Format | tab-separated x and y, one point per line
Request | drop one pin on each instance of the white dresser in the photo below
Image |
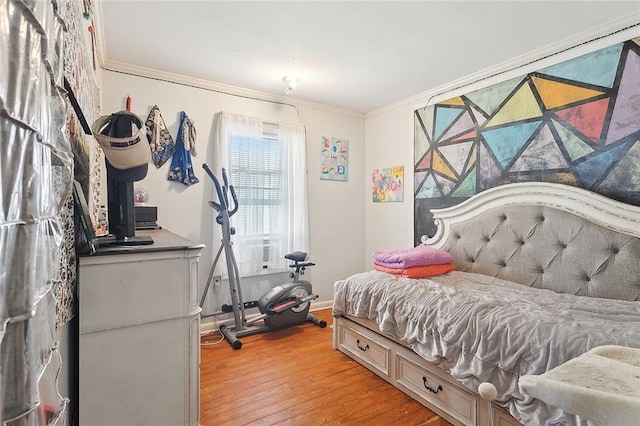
139	334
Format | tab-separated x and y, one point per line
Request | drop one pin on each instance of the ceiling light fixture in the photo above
291	82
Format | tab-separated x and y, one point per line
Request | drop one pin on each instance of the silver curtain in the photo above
36	167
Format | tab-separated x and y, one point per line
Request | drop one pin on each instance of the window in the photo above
256	171
266	164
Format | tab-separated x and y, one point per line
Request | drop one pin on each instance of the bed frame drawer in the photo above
435	390
360	343
500	418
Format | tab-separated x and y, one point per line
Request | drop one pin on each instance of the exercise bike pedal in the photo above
288	303
284	305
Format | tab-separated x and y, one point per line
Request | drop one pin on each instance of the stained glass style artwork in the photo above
576	123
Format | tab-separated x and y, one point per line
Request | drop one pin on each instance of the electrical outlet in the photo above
217	280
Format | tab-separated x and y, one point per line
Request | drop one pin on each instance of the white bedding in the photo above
480	328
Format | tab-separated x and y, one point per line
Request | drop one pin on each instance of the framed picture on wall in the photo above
334	159
387	184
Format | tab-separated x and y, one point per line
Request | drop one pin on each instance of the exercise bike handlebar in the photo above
222	205
222	192
233	196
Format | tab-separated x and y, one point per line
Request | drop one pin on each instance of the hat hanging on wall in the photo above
127	151
133	174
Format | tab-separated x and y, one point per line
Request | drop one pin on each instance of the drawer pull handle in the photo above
362	348
429	388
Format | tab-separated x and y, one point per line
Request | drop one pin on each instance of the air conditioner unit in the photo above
260	250
269	247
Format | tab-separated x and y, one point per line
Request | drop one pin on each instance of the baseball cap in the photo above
123	147
133	174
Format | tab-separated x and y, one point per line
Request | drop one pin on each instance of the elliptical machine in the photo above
283	306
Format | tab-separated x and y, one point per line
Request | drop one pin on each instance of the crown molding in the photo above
617	31
220	88
198	83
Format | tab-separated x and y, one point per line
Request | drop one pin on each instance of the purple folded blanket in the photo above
421	255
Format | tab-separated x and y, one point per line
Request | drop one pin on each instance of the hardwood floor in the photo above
295	377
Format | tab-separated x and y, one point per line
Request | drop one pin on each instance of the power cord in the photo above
214	330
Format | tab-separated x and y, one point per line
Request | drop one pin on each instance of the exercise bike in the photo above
283	306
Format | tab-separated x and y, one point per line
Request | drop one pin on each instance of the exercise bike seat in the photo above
296	256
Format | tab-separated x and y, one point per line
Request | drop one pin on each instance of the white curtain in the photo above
296	223
253	254
227	125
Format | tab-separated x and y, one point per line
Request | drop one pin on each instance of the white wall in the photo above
336	209
389	131
389	137
345	225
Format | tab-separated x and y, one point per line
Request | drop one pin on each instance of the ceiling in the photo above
358	55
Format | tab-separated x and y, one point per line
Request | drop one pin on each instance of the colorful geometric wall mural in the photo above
576	123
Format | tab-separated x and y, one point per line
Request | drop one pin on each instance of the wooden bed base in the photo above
423	381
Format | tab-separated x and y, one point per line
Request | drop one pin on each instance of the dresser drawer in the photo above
361	343
435	390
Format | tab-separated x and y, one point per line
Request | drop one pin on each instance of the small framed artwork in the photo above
388	184
334	158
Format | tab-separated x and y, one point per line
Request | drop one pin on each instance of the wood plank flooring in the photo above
295	377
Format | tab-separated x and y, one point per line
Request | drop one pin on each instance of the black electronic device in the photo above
121	209
120	192
86	240
146	217
122	216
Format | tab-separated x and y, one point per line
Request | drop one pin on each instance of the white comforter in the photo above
480	328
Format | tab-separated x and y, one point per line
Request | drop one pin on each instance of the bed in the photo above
544	273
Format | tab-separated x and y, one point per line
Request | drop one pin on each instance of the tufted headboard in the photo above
546	235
